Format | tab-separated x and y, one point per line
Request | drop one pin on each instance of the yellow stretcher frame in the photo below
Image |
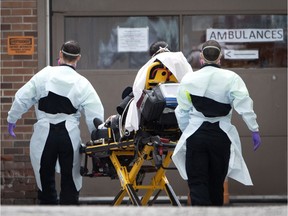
128	175
151	150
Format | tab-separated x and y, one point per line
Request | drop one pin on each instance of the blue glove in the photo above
11	127
256	140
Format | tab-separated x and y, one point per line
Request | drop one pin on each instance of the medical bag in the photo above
153	103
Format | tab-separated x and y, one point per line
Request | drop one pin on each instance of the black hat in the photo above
211	50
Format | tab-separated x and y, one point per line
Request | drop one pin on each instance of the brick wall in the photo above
18	186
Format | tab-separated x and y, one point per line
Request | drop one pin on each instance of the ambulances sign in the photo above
245	35
20	45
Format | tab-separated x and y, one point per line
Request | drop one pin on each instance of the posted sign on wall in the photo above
133	39
20	45
245	35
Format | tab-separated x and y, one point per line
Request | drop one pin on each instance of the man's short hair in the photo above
158	47
71	50
211	50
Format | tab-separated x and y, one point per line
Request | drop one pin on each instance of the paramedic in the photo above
59	94
209	148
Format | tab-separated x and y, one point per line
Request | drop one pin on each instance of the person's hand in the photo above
11	127
256	140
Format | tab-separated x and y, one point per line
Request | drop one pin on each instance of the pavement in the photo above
89	210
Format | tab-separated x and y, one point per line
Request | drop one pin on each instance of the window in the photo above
100	38
248	41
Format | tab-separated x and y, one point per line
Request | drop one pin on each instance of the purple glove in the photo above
256	140
11	127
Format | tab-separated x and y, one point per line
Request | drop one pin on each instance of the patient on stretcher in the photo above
150	104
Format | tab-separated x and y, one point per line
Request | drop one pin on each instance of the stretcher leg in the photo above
119	197
125	182
151	202
131	174
171	194
133	195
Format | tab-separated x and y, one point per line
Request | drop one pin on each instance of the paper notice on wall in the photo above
245	35
133	39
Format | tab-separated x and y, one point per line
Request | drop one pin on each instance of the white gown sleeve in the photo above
25	98
92	107
243	104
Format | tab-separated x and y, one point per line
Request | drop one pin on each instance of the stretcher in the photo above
129	160
129	157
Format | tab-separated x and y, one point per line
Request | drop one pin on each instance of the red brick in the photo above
29	4
34	34
6	158
13	194
5	108
23	57
10	20
31	193
27	150
31	180
9	92
25	201
6	57
34	27
21	143
22	27
6	85
27	136
18	85
18	18
5	12
8	78
30	64
29	121
23	158
6	71
26	78
5	27
9	165
23	128
10	33
11	4
23	71
30	19
30	114
13	151
8	180
6	100
12	64
3	114
22	11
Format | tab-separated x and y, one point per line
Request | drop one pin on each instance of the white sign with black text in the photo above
132	39
245	35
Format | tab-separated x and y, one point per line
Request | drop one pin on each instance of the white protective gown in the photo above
175	62
64	81
223	86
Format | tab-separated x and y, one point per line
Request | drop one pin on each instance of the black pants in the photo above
58	145
207	160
